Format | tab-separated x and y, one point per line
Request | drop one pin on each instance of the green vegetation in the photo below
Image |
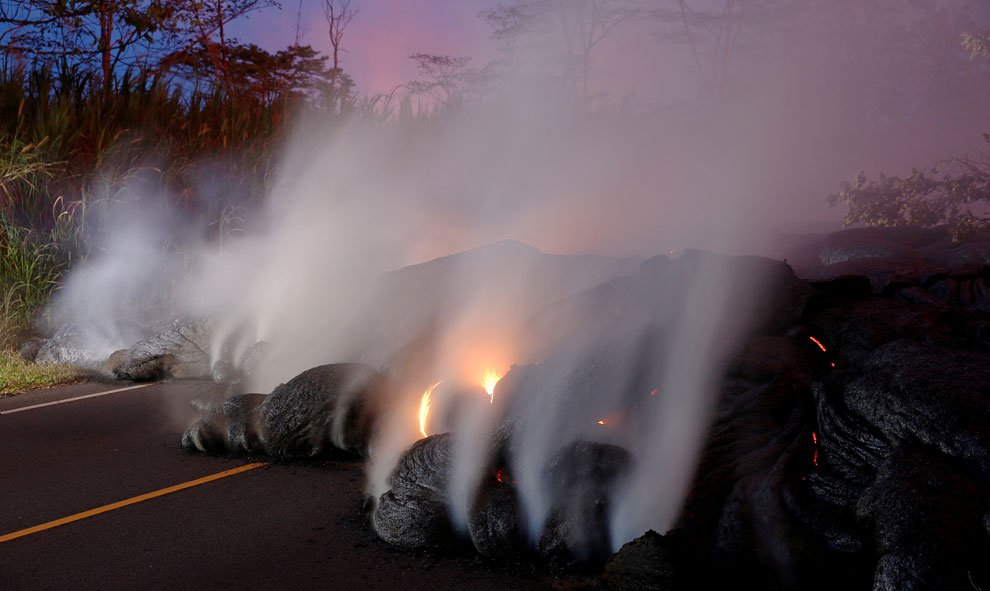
29	271
18	376
99	95
66	149
977	44
954	193
64	153
160	102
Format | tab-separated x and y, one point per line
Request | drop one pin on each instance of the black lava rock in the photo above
179	351
495	523
330	406
414	512
582	477
644	564
243	430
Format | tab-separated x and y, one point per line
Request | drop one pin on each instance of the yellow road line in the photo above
131	501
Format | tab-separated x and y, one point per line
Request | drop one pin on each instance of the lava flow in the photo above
822	347
612	421
424	408
488	383
814	457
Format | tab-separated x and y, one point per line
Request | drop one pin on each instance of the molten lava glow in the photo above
603	421
488	383
498	474
819	343
814	456
424	408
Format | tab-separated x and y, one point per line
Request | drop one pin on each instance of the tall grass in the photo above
30	267
67	149
75	131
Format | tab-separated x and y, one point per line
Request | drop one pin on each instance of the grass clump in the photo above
29	272
72	147
67	149
17	375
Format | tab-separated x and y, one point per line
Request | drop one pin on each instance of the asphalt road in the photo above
275	527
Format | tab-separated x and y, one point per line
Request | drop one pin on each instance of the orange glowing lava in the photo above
819	343
814	455
602	421
488	382
424	408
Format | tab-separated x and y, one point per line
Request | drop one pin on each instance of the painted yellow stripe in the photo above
131	501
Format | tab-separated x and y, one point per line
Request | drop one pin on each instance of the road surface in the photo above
276	526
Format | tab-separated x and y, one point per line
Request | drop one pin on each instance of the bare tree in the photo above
151	35
582	25
573	29
444	77
338	14
298	23
725	27
883	43
203	23
115	32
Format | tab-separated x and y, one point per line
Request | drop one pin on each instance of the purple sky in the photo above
381	37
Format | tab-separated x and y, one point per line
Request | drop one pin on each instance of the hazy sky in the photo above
813	101
381	38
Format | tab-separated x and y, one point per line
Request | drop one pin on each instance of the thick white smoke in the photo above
629	177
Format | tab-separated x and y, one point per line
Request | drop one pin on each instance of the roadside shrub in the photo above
954	193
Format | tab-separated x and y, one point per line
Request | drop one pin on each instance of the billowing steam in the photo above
319	276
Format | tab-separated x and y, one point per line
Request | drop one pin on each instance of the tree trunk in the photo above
105	45
224	56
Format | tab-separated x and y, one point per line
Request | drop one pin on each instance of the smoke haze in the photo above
662	154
